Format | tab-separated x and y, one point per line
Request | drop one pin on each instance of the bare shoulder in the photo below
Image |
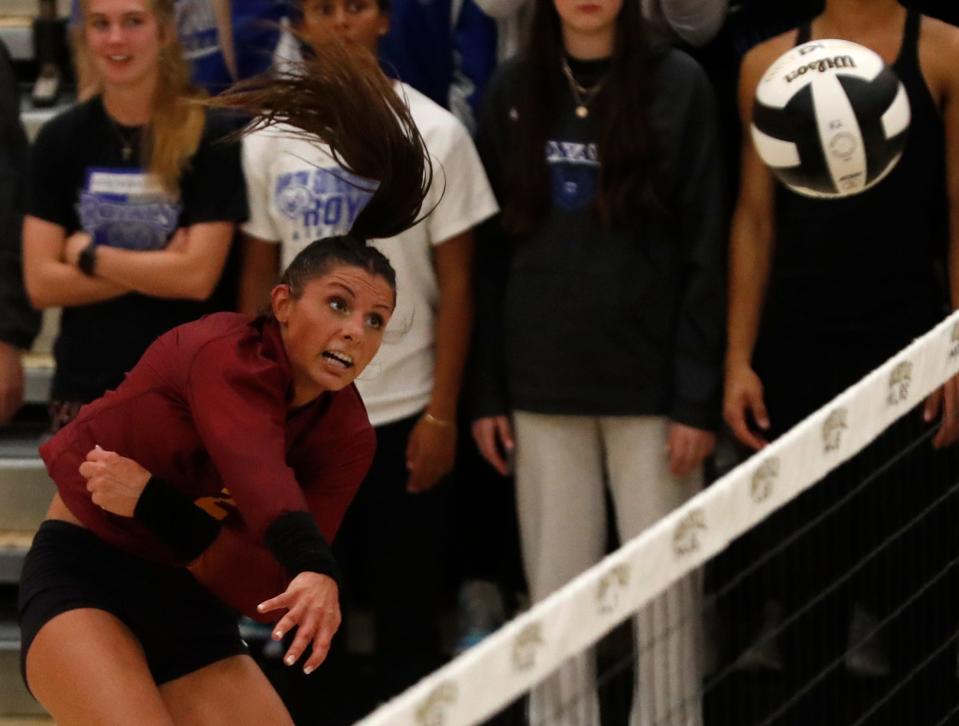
940	35
939	57
760	57
754	65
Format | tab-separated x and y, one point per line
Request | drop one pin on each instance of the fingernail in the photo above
277	635
289	660
259	608
308	670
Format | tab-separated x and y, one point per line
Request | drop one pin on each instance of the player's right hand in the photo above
115	482
313	607
743	398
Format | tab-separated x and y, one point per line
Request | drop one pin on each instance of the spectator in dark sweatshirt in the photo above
601	311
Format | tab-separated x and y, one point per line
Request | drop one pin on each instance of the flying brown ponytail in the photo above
341	96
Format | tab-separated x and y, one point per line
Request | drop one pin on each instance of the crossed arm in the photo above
188	268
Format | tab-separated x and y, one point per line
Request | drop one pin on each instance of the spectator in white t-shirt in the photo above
298	193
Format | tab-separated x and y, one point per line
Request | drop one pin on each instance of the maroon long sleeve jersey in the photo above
207	410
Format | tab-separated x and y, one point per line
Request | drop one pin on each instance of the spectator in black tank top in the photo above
821	292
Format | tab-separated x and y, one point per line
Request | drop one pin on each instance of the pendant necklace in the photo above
581	95
126	139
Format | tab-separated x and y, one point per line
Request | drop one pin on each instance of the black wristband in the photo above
87	261
174	518
296	541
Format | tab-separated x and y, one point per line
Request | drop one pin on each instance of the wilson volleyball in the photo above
830	119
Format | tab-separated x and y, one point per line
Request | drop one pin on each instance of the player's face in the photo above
333	329
588	16
357	21
125	39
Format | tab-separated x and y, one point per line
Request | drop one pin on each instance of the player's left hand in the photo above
430	453
312	606
946	399
115	482
687	447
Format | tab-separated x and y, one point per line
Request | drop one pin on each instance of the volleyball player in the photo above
114	627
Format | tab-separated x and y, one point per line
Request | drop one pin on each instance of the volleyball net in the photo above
815	583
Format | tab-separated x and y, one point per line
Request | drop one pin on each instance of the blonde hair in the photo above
176	120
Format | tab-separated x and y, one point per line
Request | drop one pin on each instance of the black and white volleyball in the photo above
830	119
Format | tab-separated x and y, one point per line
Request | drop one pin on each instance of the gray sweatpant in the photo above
562	465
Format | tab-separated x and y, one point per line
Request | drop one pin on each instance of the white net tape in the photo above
522	653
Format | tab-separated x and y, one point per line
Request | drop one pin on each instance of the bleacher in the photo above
25	492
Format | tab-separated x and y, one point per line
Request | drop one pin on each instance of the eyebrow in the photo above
123	14
349	289
353	295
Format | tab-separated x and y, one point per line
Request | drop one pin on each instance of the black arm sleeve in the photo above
293	538
174	518
699	334
485	384
296	542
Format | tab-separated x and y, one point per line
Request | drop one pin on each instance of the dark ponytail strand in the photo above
341	96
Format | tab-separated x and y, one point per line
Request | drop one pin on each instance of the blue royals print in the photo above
128	209
321	202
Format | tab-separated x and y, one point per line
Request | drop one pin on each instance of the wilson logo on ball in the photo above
830	119
827	64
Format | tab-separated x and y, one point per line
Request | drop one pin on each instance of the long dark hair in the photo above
625	144
340	96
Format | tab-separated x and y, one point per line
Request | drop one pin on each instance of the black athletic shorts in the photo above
180	626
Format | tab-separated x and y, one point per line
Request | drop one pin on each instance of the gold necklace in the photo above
581	95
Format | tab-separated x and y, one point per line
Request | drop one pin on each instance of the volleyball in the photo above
830	119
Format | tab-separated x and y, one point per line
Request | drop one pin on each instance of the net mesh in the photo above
816	583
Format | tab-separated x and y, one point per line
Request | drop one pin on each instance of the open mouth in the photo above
341	359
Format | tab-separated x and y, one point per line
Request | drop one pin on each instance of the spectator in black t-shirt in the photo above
18	323
131	203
